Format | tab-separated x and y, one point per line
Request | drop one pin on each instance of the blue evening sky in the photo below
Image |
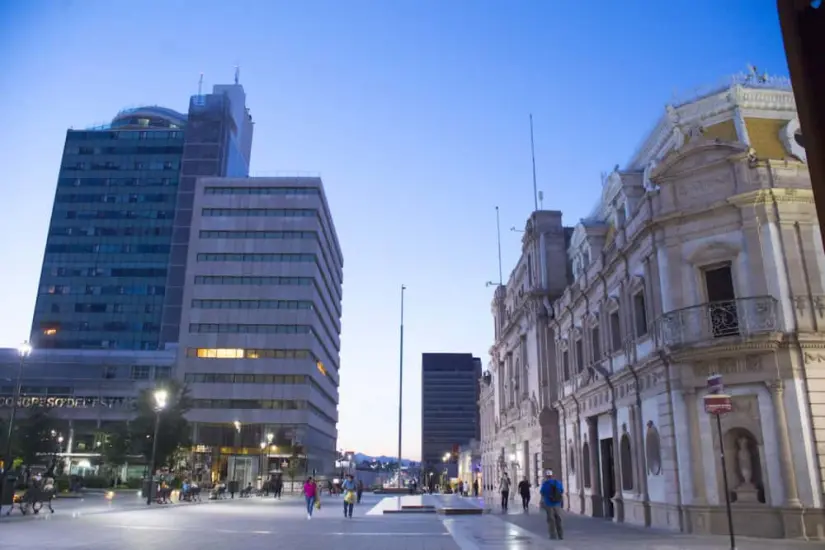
415	112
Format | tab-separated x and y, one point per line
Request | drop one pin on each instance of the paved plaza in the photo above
264	523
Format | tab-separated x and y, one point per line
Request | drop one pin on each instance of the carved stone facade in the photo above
519	428
702	257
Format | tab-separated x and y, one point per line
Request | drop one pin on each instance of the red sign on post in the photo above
718	404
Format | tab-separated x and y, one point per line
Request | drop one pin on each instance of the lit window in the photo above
321	368
50	331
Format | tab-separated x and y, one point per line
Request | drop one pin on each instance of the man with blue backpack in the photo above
552	492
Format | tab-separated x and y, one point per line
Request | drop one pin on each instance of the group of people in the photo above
351	489
551	492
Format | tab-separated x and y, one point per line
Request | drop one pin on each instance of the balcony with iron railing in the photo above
709	322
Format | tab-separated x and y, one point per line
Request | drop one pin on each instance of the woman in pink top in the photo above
311	495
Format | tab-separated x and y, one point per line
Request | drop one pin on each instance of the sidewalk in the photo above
586	532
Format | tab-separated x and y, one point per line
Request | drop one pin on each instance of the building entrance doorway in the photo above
608	479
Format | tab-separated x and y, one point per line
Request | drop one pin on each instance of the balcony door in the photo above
723	315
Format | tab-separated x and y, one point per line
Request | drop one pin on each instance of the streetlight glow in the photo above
237	424
263	445
161	396
269	437
24	349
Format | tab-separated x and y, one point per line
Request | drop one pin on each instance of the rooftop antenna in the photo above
237	74
541	200
200	85
498	231
533	154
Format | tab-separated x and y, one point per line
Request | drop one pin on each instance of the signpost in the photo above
718	403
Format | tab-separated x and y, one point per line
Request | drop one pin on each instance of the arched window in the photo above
653	450
627	463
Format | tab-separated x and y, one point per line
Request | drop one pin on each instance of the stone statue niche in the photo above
744	467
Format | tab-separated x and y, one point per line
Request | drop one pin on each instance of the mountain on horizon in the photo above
360	457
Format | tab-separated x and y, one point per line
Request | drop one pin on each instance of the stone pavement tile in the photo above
586	532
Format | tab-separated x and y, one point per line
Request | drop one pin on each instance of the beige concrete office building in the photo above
259	338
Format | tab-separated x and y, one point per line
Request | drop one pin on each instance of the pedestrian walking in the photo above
348	486
552	493
524	492
311	496
359	490
504	487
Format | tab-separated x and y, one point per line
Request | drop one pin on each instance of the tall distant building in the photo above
115	256
105	266
218	143
449	405
262	308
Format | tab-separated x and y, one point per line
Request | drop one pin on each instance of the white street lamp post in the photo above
160	396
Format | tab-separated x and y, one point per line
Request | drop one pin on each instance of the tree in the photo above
115	447
34	435
293	468
173	431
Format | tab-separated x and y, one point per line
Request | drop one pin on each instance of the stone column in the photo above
618	501
577	439
700	497
777	389
595	474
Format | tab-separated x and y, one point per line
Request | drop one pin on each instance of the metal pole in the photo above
152	461
7	458
401	384
725	482
498	234
533	154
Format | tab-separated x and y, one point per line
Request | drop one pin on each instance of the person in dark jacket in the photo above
524	491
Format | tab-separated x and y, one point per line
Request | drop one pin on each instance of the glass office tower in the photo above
449	406
104	270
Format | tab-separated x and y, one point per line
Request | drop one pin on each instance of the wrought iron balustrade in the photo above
741	317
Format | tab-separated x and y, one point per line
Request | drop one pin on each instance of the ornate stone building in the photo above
703	256
519	425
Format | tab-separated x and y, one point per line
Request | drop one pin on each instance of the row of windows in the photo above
94	307
133	343
229	378
278	404
250	280
107	248
108	198
258	212
234	328
208	234
92	231
108	272
262	191
259	257
240	353
640	329
105	290
252	304
261	280
108	326
119	215
142	372
126	134
125	150
117	182
121	165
